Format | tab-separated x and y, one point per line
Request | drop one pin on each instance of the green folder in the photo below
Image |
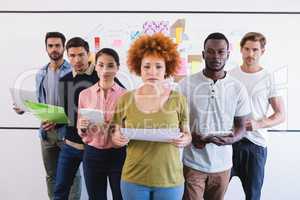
46	112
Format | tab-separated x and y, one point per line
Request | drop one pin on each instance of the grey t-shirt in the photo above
50	84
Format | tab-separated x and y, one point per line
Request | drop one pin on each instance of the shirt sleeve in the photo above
184	114
272	90
119	114
80	105
243	104
180	87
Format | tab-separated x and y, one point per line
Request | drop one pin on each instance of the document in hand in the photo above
19	96
46	112
93	115
221	133
154	135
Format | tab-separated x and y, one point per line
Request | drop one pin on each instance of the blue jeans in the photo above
51	148
249	162
67	169
131	191
100	164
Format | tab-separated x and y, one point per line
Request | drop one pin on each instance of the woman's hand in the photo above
184	140
118	139
83	124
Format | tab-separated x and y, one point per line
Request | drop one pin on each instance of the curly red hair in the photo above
153	45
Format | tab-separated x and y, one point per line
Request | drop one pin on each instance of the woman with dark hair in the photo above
100	160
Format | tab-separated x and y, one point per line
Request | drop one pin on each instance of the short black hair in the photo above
55	35
216	36
110	52
78	42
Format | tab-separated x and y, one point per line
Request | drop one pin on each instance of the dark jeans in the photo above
68	165
249	162
100	164
51	147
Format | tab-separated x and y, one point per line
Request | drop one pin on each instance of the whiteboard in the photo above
23	50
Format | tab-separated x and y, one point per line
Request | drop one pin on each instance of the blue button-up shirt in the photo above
41	92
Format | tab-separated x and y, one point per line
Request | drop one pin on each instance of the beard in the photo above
55	56
208	66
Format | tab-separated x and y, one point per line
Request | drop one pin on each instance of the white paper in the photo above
154	135
19	96
220	133
93	115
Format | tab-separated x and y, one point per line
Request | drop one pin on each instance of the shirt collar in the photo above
210	80
96	87
63	65
88	71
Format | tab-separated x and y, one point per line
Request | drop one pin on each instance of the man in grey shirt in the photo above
47	79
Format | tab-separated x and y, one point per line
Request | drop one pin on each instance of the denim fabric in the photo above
249	162
68	174
131	191
100	164
41	94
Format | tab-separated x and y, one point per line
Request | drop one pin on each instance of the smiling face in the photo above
55	48
215	54
153	69
79	58
251	53
106	67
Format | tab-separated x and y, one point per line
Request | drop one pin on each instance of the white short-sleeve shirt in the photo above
212	106
260	87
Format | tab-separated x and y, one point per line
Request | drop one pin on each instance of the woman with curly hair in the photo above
152	170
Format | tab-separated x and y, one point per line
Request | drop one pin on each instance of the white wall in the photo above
229	5
24	51
21	170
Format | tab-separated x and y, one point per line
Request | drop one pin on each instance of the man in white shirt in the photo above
217	103
250	153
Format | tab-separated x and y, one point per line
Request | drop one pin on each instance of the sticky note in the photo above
178	35
117	43
195	67
195	57
97	43
180	23
182	70
134	35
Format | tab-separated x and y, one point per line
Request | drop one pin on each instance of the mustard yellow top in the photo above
153	164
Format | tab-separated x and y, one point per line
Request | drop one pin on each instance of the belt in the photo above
74	144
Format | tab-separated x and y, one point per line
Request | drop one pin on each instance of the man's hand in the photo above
18	110
223	140
252	125
47	126
200	140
